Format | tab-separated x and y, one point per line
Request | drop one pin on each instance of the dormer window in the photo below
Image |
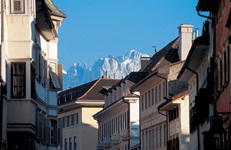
17	6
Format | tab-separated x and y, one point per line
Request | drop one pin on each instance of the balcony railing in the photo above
116	138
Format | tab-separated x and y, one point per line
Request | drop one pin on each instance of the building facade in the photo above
119	120
76	107
32	73
155	88
218	83
176	108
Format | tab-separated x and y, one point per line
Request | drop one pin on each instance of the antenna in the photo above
154	48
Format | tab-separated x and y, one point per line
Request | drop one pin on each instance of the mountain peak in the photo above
114	67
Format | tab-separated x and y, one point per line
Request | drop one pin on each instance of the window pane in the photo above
18	80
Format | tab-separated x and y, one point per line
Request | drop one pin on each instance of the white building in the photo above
176	108
33	75
119	120
154	89
196	72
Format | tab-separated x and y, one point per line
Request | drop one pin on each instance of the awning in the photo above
55	80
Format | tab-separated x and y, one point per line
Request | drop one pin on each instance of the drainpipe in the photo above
166	88
197	89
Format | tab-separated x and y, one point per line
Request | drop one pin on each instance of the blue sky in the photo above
97	28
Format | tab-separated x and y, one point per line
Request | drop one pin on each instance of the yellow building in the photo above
76	108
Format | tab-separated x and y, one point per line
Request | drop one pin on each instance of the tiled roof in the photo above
78	91
53	10
88	91
168	54
94	93
133	77
136	76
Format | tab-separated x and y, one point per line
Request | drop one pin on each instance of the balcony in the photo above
116	138
124	134
100	145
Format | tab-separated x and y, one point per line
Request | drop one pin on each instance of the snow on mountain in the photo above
111	66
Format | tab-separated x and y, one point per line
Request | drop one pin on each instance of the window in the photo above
18	80
146	138
165	135
53	133
72	120
142	143
150	139
164	89
64	123
68	121
160	134
77	118
149	98
70	144
146	101
160	92
75	143
33	83
17	6
59	132
157	141
156	95
173	114
153	134
45	72
65	144
152	94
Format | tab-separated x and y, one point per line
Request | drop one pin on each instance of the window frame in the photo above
22	7
18	75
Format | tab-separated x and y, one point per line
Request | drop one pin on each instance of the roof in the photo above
168	54
170	103
44	21
93	93
53	10
134	77
88	91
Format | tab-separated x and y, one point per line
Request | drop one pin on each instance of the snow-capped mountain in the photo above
111	66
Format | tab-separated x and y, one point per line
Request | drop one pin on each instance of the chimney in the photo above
185	37
144	62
